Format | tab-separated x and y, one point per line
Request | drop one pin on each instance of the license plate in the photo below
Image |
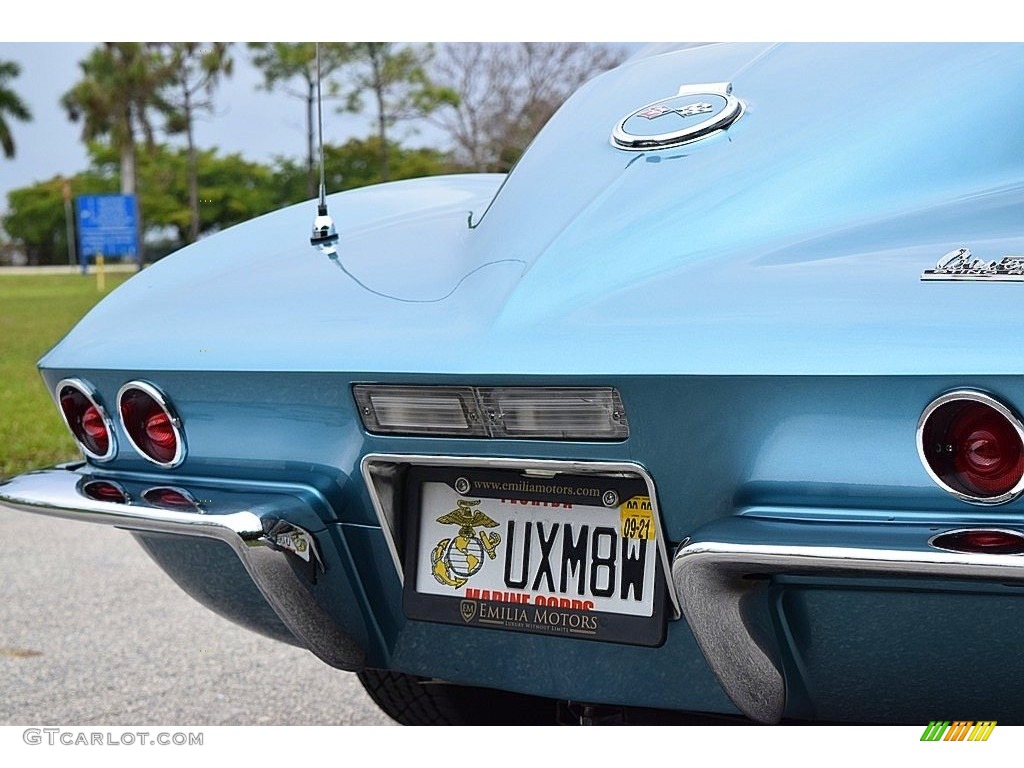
575	556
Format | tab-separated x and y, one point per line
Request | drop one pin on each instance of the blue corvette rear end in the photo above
752	297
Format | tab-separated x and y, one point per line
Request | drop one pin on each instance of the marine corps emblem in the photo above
456	559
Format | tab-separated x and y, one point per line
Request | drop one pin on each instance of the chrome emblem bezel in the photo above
720	120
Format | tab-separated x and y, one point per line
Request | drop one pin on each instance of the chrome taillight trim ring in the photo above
976	396
165	404
88	391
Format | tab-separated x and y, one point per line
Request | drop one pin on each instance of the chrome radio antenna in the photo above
323	225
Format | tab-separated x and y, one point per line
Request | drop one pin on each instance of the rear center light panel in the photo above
510	413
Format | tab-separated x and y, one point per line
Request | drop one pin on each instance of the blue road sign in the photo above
107	226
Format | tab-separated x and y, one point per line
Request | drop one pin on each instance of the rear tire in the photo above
413	700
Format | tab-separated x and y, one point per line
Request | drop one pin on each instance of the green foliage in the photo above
36	214
196	70
231	189
291	68
10	105
395	78
357	163
121	85
283	64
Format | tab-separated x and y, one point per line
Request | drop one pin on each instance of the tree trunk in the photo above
128	186
128	168
385	170
193	170
310	168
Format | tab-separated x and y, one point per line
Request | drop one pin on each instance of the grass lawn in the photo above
35	312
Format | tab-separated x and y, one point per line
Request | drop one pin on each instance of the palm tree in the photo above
291	67
121	85
197	68
11	105
396	77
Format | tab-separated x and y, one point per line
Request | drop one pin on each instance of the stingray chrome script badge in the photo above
961	265
694	112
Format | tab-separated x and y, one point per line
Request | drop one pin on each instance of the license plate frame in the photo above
464	608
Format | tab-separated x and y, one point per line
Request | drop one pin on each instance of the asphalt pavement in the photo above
93	633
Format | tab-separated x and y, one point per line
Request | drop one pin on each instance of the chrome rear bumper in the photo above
718	577
274	534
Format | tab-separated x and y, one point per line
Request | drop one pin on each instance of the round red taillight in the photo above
973	446
151	424
86	419
160	432
981	540
170	498
105	490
